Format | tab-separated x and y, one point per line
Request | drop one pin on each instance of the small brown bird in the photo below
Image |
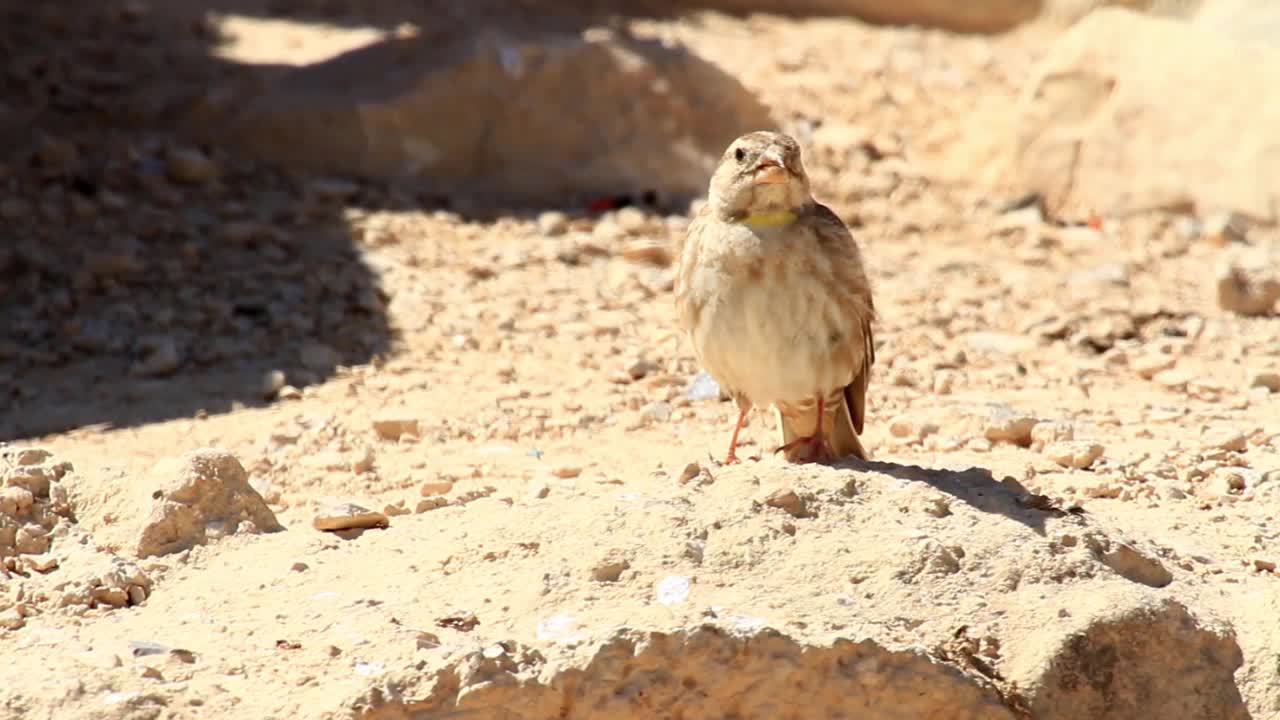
772	292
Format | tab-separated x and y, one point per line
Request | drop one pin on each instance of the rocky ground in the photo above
282	444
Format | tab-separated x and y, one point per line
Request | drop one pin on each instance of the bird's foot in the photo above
816	446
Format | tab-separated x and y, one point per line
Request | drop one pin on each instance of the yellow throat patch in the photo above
769	219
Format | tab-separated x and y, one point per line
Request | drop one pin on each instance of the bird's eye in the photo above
740	154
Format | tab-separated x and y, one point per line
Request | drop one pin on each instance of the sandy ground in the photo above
514	395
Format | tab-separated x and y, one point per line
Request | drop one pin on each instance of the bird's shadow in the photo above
975	486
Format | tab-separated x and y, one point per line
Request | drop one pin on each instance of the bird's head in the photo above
760	177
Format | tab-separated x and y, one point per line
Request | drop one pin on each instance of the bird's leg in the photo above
732	457
818	449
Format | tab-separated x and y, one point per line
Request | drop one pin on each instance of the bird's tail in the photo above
800	421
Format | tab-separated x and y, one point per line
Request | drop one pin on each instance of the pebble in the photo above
1004	424
390	426
160	357
639	368
610	569
428	504
787	500
1172	379
998	343
273	381
190	166
673	589
565	472
364	460
1269	379
703	387
438	486
348	516
691	472
553	223
318	357
332	189
1247	287
1078	454
1223	438
559	629
1148	366
1046	433
656	412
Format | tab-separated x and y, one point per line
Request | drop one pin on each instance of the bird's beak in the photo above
772	169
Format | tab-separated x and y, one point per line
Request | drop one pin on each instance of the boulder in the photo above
537	116
1131	112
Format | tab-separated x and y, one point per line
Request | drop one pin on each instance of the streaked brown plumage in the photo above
772	292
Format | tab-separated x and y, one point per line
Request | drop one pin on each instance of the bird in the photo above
772	292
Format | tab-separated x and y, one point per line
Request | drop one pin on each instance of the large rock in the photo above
1123	653
182	502
1130	112
537	116
989	603
972	16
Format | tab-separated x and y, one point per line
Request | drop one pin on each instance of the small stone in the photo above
438	486
430	503
144	648
1172	379
159	356
273	381
1004	424
137	595
647	250
553	223
944	382
656	412
1048	432
637	369
673	589
1269	379
363	461
396	509
1247	286
1222	228
1076	454
566	471
610	569
390	426
1262	565
289	392
704	387
1227	439
41	563
348	516
332	189
902	427
16	501
31	540
1148	366
787	500
300	567
318	357
190	166
1227	481
691	471
998	343
11	620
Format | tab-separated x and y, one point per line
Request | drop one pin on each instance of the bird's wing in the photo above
688	253
850	280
